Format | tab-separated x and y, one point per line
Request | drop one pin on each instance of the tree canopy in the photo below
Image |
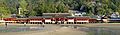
37	7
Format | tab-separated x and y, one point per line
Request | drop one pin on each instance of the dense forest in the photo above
37	7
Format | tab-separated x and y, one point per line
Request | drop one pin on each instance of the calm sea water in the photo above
20	28
101	30
89	30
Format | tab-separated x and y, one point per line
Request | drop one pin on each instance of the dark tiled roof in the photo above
56	14
40	17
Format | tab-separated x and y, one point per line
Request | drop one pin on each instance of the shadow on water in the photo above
100	30
20	28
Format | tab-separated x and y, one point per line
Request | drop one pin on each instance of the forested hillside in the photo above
37	7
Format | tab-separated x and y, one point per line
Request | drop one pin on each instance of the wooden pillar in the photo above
73	23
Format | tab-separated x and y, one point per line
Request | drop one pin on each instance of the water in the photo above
98	30
89	30
20	28
101	30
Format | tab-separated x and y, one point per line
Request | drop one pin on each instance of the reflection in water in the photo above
99	31
90	30
110	30
20	28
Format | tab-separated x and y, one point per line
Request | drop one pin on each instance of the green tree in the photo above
4	9
23	5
